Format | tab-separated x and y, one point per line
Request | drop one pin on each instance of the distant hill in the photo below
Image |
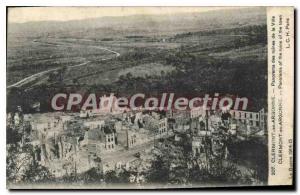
141	24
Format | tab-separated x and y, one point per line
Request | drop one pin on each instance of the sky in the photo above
30	14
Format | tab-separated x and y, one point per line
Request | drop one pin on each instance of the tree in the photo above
75	81
12	168
36	173
124	176
159	171
111	177
93	175
22	167
12	136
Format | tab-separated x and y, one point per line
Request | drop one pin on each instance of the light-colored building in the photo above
17	119
65	118
45	125
163	126
99	140
198	145
93	124
232	129
131	139
255	119
110	140
197	112
85	113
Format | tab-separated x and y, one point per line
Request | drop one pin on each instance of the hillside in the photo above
217	51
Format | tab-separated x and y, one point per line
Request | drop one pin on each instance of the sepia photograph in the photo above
149	97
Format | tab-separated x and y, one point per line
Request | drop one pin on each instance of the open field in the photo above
136	56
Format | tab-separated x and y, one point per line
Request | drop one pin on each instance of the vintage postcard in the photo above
149	97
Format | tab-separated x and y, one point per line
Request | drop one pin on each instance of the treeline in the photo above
196	72
251	30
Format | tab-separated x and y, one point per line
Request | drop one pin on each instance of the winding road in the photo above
40	74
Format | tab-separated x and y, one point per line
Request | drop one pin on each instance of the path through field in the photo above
40	74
